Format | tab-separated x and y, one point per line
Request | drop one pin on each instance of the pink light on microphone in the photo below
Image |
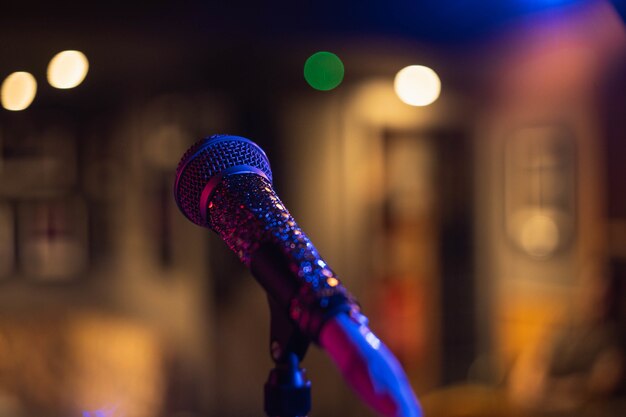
369	367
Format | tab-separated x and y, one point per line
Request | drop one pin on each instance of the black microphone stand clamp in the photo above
287	390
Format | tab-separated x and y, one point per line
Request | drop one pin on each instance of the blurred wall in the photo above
541	219
468	229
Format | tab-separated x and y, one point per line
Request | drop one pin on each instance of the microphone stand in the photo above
287	390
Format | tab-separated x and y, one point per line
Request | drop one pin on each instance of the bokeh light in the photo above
67	69
323	71
540	236
417	85
18	91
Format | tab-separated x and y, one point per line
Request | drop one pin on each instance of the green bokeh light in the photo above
323	71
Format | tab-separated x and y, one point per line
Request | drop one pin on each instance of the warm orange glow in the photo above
333	282
18	91
539	235
67	69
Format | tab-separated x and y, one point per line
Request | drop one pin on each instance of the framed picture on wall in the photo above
53	238
540	189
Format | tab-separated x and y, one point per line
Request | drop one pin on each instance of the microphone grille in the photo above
209	158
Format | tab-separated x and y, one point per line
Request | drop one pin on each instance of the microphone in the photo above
224	183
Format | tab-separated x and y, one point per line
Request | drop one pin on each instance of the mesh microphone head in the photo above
206	162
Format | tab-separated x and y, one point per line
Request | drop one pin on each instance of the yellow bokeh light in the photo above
417	85
18	91
67	69
540	235
332	282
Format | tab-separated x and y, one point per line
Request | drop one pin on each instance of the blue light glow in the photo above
544	4
552	2
103	412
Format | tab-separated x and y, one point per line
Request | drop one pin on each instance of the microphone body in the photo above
248	215
224	183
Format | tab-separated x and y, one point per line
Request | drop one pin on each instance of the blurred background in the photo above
473	202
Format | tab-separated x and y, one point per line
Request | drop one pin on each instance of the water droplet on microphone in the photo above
372	340
276	350
295	312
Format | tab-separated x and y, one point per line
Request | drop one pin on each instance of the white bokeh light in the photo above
417	85
18	91
67	69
